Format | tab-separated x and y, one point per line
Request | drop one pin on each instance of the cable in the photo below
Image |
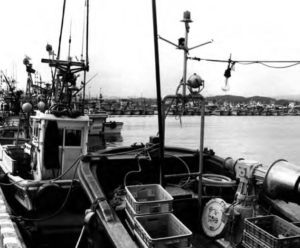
279	67
132	172
44	181
250	62
245	61
10	184
66	171
60	208
187	168
145	150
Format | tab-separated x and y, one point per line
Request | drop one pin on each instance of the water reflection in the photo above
103	141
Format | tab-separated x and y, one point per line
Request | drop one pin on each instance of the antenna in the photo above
183	45
70	41
83	32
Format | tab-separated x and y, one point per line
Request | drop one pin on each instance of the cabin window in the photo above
72	137
8	134
35	130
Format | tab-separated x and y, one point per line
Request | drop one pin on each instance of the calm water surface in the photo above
261	138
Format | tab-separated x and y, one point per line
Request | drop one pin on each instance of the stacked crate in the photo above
270	231
149	211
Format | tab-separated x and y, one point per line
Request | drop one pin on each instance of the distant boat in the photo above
136	112
149	112
117	112
99	125
127	112
216	112
112	127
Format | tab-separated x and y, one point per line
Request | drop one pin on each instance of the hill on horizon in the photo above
223	98
241	99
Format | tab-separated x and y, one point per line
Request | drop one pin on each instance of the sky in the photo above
121	47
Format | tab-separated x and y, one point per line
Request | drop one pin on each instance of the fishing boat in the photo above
12	120
42	201
99	124
11	133
38	176
160	196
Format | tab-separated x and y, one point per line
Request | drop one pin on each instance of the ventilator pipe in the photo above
282	181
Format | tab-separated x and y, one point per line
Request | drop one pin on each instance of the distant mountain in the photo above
241	99
220	99
227	98
289	97
262	99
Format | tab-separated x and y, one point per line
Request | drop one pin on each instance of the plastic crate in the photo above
273	231
130	215
130	210
149	199
250	241
162	230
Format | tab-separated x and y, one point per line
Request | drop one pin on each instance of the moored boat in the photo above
99	124
212	199
38	179
96	122
112	127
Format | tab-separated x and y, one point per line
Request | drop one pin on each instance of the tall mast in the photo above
86	53
158	93
54	81
87	34
61	29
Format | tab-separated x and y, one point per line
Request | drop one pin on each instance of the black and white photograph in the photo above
149	124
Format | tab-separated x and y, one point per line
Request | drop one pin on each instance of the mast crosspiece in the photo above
183	45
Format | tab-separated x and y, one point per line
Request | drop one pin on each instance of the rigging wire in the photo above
279	67
251	62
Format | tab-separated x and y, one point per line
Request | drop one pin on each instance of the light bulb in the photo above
226	87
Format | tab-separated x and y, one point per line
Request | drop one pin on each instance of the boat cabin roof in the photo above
51	117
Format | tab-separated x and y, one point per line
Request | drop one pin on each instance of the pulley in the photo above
214	218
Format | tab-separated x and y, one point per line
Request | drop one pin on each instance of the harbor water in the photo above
261	138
